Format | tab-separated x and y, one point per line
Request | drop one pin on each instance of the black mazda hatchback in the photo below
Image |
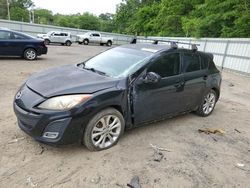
95	101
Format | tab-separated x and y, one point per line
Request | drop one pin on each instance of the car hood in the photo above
69	80
42	35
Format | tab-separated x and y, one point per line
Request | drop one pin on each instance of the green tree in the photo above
107	22
89	21
3	9
43	16
19	9
19	14
126	15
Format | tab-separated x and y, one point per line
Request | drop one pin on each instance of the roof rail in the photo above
173	44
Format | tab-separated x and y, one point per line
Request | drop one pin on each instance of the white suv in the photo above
63	38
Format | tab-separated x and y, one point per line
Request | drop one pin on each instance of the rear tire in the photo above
30	54
79	42
208	103
104	130
68	43
109	43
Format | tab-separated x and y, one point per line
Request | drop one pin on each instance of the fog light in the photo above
51	135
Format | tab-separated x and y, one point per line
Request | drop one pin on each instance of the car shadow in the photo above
142	130
20	58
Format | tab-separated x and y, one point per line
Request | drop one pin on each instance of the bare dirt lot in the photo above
196	159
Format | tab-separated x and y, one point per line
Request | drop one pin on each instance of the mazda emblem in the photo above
19	95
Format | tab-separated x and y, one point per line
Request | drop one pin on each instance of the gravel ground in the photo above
196	159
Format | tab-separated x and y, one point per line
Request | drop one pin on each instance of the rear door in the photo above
195	79
20	42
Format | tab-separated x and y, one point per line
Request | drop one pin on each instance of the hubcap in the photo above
30	54
209	103
106	131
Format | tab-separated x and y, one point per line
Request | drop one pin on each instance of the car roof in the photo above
4	28
153	48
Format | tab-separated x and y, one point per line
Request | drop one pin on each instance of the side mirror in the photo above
151	77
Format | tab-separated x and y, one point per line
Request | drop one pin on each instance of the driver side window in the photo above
166	65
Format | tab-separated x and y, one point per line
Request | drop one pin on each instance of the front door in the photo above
152	101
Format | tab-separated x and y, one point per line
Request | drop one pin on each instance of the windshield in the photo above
118	62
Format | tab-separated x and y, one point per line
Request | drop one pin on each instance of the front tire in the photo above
86	42
104	130
30	54
208	104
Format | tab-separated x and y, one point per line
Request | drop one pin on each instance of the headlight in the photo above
63	102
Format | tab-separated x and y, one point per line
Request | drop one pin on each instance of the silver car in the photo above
63	38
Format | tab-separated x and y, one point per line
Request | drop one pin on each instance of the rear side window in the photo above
5	35
211	65
64	34
19	37
191	62
166	65
204	62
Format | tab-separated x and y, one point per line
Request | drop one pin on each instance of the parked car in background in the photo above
118	89
14	43
63	38
94	37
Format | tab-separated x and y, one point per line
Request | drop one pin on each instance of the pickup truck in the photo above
93	37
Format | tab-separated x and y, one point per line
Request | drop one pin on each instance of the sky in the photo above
78	6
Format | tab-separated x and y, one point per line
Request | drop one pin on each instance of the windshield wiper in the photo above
93	70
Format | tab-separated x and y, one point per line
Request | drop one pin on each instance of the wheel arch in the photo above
217	91
27	47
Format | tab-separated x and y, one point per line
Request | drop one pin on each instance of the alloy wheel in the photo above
209	103
30	54
106	131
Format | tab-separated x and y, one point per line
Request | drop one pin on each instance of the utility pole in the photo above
8	8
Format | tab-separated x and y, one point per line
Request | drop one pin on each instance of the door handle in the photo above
180	84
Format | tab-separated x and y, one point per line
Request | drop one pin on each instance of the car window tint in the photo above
5	35
166	65
191	62
19	37
204	62
64	34
96	35
211	64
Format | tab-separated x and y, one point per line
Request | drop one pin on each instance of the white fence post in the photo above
225	55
